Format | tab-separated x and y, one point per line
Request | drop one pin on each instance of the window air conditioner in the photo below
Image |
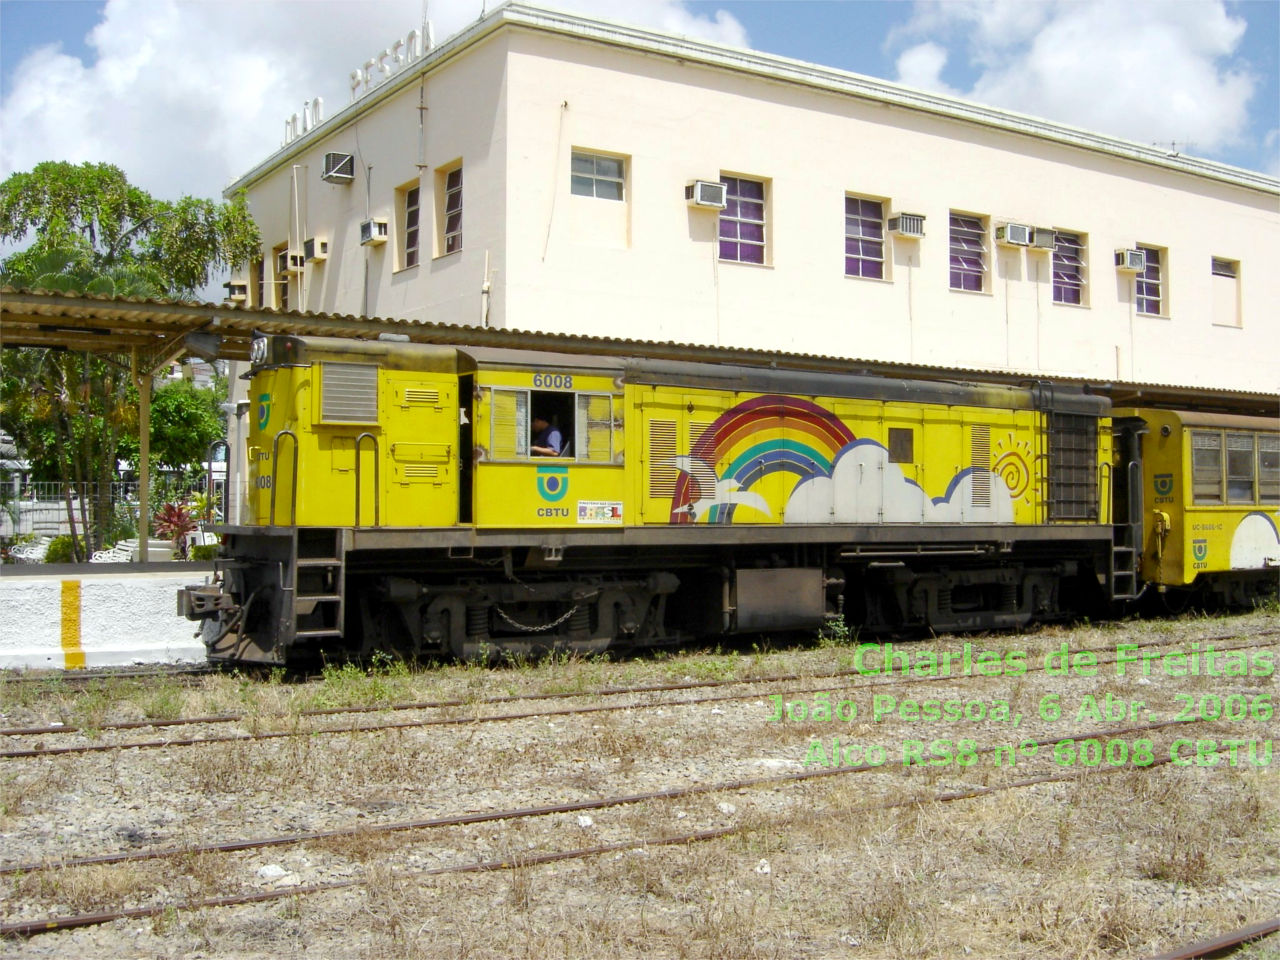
373	232
289	261
1043	238
339	168
1131	261
907	224
315	249
1014	234
237	292
706	193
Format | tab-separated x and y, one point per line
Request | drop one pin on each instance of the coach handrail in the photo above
275	469
377	476
208	480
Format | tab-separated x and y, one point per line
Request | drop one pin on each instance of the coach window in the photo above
901	445
1240	463
1268	469
1206	467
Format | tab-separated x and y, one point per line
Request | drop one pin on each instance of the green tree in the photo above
90	231
92	213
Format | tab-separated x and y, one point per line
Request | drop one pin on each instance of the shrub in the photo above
61	550
204	551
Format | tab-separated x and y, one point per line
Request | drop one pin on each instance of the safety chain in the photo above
546	626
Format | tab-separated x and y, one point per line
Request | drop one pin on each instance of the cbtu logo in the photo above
1199	554
1163	484
264	410
553	483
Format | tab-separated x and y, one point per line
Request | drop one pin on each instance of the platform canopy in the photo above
157	332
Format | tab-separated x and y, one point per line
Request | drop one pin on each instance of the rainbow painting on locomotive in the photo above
721	458
1212	483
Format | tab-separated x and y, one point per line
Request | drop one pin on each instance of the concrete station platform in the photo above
76	615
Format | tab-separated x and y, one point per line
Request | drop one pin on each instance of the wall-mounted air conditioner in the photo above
314	249
339	168
1014	234
1043	238
289	261
373	232
907	224
237	292
707	193
1131	261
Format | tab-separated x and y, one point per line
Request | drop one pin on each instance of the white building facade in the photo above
534	172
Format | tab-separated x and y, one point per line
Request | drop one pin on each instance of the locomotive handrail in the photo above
377	486
275	467
208	481
1105	493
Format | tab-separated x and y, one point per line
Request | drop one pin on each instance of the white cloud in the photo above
921	67
184	97
1151	71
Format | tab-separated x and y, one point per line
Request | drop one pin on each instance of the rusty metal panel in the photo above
782	598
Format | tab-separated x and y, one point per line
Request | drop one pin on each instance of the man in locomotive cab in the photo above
547	440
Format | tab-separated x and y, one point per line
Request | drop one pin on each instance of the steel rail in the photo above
527	715
48	925
1224	941
671	793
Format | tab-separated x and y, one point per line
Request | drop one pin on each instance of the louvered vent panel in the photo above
510	425
980	457
662	453
349	392
420	471
421	395
594	428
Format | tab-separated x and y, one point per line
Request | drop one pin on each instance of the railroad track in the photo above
44	751
49	924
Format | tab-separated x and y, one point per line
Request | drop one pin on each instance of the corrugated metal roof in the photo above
157	329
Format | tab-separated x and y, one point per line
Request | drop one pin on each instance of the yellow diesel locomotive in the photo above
398	502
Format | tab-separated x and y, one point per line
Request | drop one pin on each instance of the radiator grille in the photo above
349	393
1073	454
662	453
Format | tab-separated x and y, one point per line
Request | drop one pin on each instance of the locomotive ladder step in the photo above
320	597
321	632
319	562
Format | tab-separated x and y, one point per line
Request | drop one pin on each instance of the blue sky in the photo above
187	95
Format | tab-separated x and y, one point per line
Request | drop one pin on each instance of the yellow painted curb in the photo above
72	652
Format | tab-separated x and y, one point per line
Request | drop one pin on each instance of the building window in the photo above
1149	286
449	209
260	274
1068	268
742	224
968	252
596	176
863	238
281	277
1225	280
412	210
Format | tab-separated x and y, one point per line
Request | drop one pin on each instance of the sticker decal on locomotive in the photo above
1200	554
553	483
1163	484
264	410
838	478
600	511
